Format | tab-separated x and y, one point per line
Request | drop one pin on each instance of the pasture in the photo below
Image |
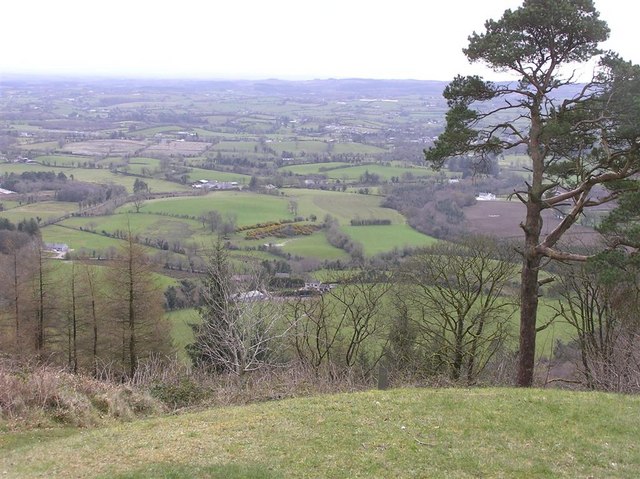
350	173
248	208
98	175
143	225
45	210
78	240
384	238
315	246
196	174
342	206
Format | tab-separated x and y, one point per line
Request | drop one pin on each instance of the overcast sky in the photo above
289	39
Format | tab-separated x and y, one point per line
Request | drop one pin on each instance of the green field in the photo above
461	433
181	332
77	240
155	226
248	208
380	239
64	160
141	165
342	206
45	210
98	175
314	246
314	168
344	172
213	175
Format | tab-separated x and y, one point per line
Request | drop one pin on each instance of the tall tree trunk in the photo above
528	313
40	326
529	285
74	324
133	356
16	297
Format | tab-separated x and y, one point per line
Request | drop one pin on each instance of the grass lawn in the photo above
461	433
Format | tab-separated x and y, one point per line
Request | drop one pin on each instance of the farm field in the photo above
314	246
489	217
45	210
383	238
342	206
97	175
248	208
78	240
346	172
196	174
156	226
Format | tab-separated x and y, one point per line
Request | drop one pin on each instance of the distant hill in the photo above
329	88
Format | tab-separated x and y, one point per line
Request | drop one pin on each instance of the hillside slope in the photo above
399	433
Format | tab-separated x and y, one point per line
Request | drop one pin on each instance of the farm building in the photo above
248	296
216	185
58	247
486	197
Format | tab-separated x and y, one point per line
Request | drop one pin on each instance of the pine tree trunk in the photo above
532	226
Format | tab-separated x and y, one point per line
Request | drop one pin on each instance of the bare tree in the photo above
314	333
343	326
601	301
454	296
16	270
239	326
136	305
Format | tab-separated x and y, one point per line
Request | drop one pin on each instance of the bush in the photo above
178	395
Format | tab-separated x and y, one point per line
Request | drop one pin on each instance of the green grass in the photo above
315	168
213	175
98	175
380	239
313	246
144	225
44	209
342	206
459	433
138	164
181	332
249	208
64	160
77	239
342	171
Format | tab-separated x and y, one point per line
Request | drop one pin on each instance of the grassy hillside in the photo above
401	433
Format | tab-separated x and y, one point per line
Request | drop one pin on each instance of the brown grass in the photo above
41	395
